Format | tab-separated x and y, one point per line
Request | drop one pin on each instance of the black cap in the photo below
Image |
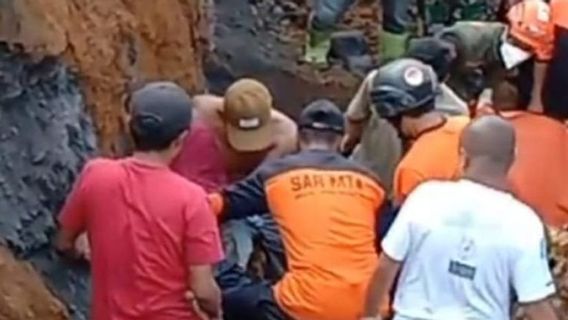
161	110
322	115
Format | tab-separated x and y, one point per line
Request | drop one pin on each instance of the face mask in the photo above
512	55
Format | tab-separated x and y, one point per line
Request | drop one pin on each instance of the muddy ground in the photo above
264	39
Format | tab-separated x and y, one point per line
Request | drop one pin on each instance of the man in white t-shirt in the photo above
467	249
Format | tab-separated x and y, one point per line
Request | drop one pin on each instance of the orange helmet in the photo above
530	23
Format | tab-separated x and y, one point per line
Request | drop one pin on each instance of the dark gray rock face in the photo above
45	138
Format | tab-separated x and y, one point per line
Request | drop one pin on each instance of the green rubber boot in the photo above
437	12
392	45
475	11
317	48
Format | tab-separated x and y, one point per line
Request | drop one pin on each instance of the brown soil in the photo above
23	295
112	44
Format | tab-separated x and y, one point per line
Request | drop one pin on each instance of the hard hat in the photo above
401	86
530	23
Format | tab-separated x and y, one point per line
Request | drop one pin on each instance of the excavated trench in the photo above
65	67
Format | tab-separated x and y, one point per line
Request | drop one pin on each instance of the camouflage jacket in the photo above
433	15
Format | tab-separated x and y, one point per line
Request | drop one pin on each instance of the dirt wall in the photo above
65	66
111	44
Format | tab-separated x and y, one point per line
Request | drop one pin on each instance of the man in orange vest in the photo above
326	208
538	176
555	95
404	92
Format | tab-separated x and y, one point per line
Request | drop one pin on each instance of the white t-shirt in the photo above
468	251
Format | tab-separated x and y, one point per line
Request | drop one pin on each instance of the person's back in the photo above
140	217
330	246
434	155
555	94
201	160
152	234
539	175
465	273
467	249
477	42
326	208
405	92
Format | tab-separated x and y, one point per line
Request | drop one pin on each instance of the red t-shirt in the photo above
146	226
201	158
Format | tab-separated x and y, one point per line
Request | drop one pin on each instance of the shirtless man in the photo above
230	137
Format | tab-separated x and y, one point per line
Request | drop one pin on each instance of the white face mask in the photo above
512	55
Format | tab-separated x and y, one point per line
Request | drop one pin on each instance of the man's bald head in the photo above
489	144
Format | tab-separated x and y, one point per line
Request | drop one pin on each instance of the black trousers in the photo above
245	298
240	237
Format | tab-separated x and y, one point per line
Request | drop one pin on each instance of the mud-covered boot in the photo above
392	45
317	48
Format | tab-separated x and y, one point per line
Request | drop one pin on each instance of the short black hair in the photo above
322	115
322	136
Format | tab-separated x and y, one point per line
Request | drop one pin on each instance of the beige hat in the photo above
247	113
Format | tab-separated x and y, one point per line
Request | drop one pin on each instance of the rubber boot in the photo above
437	12
392	45
438	15
475	11
317	48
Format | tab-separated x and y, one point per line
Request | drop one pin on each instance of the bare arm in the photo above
65	244
285	135
357	114
203	249
541	310
380	285
205	290
73	219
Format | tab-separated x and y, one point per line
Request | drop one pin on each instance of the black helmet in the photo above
401	86
436	52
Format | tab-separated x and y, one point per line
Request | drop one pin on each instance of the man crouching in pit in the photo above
231	135
326	209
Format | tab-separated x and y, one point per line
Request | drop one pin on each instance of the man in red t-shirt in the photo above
152	233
